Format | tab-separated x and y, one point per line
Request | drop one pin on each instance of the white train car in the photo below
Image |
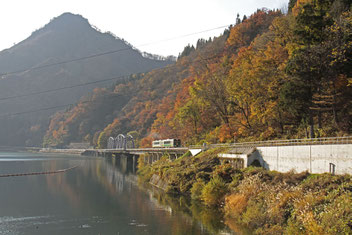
167	143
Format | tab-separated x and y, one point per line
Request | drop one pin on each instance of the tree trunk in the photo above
311	124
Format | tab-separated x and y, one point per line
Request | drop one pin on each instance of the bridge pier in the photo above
152	157
173	156
107	154
127	162
156	157
135	162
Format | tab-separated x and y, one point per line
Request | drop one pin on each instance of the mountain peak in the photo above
67	20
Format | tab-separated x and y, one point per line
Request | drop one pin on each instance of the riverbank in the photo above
266	202
41	150
62	151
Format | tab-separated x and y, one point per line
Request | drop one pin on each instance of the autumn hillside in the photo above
270	76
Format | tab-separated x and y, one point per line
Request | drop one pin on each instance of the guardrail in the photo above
314	141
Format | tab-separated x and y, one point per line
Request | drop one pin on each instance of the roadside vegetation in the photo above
266	202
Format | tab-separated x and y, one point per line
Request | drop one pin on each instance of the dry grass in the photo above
235	204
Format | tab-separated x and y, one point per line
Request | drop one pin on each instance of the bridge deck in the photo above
138	151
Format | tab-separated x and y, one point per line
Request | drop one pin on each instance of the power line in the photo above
185	35
66	61
106	53
89	83
35	110
55	107
82	102
61	88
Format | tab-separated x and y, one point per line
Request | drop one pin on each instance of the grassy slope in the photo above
267	202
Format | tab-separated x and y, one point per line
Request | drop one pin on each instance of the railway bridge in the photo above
150	154
156	152
123	145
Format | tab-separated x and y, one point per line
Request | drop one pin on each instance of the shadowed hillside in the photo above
66	37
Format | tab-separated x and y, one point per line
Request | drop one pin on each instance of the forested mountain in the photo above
270	76
66	38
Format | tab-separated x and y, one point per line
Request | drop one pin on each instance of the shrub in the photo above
266	230
294	227
255	215
236	180
235	204
144	170
225	172
214	191
337	216
196	190
290	177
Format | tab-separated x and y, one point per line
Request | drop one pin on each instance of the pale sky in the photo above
137	21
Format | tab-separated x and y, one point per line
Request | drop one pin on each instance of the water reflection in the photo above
101	196
209	219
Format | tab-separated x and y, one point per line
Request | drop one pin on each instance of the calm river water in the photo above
99	196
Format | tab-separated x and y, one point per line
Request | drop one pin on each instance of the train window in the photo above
177	142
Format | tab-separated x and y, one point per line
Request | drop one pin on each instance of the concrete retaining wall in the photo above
312	158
